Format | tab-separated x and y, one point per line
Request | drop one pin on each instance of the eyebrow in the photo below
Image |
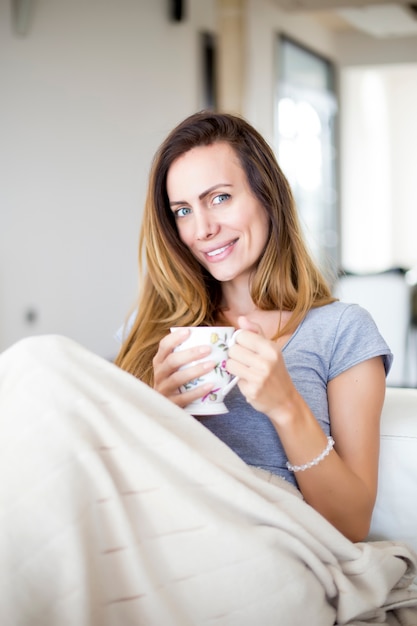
202	195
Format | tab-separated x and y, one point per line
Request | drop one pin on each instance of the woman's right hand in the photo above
168	377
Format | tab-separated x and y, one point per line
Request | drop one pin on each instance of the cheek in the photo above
259	226
184	234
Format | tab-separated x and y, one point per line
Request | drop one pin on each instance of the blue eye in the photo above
182	212
221	198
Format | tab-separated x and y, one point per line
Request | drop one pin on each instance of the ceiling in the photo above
377	18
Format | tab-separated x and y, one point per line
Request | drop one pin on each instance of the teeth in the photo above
219	250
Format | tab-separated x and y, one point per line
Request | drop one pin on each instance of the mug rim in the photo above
201	327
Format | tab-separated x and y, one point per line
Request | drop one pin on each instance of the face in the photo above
217	215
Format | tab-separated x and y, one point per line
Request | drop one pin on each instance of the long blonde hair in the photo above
177	290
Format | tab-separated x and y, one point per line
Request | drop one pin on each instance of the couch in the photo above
395	513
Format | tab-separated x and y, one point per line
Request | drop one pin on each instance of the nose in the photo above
205	226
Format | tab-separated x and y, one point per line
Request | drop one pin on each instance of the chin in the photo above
225	277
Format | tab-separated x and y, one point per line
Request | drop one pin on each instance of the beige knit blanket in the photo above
117	509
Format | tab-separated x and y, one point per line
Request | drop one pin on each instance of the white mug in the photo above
220	339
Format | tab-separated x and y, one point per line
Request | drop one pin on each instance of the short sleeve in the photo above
123	331
357	339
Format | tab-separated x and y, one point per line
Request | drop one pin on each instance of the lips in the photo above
220	250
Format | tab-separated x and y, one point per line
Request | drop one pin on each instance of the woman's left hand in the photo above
343	488
263	376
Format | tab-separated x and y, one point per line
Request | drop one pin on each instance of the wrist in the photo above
290	413
318	459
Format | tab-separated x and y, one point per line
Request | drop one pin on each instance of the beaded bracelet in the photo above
316	461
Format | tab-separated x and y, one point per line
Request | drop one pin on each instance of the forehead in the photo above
204	166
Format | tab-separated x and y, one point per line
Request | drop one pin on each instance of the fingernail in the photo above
204	350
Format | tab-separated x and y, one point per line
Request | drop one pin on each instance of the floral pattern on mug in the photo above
219	375
192	383
220	368
219	342
211	396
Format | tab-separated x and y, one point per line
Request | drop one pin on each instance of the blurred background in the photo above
89	89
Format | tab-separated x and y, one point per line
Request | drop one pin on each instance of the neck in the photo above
237	300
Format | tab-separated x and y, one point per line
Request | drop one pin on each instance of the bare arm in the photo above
342	487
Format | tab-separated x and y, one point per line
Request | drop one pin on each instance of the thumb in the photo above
246	324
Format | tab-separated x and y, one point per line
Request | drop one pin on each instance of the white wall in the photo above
264	23
402	85
356	49
86	97
378	161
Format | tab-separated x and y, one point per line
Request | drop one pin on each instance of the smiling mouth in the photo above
220	250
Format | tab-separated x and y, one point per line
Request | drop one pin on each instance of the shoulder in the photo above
350	333
339	313
337	317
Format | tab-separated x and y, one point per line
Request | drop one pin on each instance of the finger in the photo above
258	360
190	376
247	324
254	344
186	397
245	371
169	343
167	359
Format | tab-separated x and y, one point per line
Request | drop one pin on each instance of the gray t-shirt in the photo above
329	340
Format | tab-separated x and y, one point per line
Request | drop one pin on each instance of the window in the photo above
305	113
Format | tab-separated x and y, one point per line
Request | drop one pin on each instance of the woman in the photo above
158	521
223	245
